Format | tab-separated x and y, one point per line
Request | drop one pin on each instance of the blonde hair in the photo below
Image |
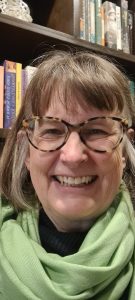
62	74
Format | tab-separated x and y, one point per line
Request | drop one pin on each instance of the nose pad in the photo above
74	151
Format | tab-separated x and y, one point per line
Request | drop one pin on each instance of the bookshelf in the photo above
52	26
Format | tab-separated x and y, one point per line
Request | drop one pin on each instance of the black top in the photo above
54	241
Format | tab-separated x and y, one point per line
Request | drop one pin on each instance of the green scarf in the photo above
101	269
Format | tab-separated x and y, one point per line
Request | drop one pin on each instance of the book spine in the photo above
76	18
29	73
132	89
110	24
9	92
82	20
98	21
118	25
124	26
13	97
92	22
133	33
1	95
103	25
23	84
86	21
130	30
18	87
89	21
7	100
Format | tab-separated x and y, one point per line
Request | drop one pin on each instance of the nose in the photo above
74	152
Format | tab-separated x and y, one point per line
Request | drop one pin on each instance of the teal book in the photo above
98	21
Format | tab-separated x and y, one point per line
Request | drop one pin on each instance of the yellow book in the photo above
18	87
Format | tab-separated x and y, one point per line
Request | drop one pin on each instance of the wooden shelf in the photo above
35	39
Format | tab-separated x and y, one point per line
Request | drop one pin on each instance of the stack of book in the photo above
107	24
13	83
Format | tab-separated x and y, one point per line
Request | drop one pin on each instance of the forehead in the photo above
76	112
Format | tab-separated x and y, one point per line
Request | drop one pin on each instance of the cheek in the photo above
112	173
40	165
111	162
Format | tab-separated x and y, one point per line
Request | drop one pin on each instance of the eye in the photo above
51	133
94	133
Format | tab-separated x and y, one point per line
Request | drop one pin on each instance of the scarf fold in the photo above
102	269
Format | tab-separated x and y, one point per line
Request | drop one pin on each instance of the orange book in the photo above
1	95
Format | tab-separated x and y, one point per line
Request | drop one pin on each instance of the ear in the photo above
124	160
131	134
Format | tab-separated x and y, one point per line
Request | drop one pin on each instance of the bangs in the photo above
92	82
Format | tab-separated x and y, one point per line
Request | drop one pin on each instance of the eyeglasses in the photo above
100	134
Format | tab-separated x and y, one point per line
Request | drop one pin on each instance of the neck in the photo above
69	225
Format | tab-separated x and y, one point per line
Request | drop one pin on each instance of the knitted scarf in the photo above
102	269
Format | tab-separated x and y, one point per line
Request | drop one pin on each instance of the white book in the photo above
118	22
29	72
110	26
92	22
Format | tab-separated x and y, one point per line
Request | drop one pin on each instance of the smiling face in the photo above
75	184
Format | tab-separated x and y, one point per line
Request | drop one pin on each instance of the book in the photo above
1	95
110	28
98	21
133	52
130	30
29	73
86	24
103	26
18	86
23	84
9	92
132	89
118	27
89	20
82	20
92	32
124	25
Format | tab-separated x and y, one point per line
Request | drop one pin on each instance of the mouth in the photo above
75	181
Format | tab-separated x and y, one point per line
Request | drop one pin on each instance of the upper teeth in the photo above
75	180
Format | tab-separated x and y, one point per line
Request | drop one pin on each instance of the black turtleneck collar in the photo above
54	241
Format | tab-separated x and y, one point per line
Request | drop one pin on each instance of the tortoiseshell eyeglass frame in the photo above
73	127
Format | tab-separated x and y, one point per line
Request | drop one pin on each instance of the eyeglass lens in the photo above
99	134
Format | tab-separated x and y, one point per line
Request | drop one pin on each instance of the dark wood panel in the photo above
24	41
40	10
61	16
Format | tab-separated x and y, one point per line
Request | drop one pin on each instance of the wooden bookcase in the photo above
53	26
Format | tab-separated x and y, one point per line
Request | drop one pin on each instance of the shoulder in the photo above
6	210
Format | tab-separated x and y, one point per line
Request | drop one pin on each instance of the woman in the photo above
67	221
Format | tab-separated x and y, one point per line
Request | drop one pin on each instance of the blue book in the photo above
9	93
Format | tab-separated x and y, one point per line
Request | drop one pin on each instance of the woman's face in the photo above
75	205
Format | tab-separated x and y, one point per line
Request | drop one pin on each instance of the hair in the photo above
60	75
